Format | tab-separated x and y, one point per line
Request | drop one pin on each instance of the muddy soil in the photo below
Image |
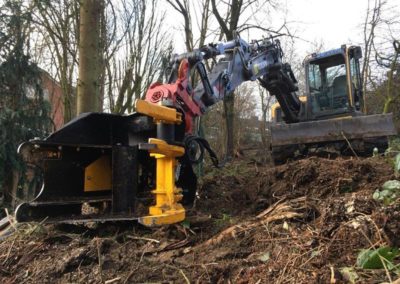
301	222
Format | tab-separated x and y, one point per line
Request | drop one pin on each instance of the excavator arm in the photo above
238	62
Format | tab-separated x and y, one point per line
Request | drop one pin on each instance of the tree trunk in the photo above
265	139
89	99
229	109
388	103
229	101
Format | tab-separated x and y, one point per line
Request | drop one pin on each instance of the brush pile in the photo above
302	222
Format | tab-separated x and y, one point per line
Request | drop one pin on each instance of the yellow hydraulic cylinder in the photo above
167	209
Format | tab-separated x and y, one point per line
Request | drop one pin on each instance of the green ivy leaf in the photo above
186	224
397	164
372	258
391	185
389	193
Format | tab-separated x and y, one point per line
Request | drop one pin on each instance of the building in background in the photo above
53	94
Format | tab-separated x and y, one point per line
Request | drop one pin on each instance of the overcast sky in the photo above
333	22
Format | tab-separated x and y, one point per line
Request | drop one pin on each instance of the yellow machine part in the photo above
167	209
275	107
159	113
98	175
348	78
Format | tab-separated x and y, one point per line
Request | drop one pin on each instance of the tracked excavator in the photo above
108	167
332	112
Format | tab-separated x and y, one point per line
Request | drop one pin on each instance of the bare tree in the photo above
56	47
132	43
393	80
264	125
246	119
144	47
380	69
203	18
230	22
386	93
182	6
90	53
372	20
228	28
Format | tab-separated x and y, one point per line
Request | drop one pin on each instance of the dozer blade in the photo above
331	130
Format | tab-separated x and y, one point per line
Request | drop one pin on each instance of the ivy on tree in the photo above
23	111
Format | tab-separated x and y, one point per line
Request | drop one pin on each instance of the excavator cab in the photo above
333	86
333	83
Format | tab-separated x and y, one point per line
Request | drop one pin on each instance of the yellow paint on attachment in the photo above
164	219
167	209
98	175
166	149
159	113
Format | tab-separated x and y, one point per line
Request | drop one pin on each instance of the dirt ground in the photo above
301	222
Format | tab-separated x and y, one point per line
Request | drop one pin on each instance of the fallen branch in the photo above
137	266
9	251
117	279
142	238
277	212
349	144
181	272
99	259
11	220
271	208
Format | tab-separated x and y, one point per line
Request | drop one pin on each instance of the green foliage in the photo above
377	258
389	193
397	165
394	145
391	189
225	219
24	113
186	224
